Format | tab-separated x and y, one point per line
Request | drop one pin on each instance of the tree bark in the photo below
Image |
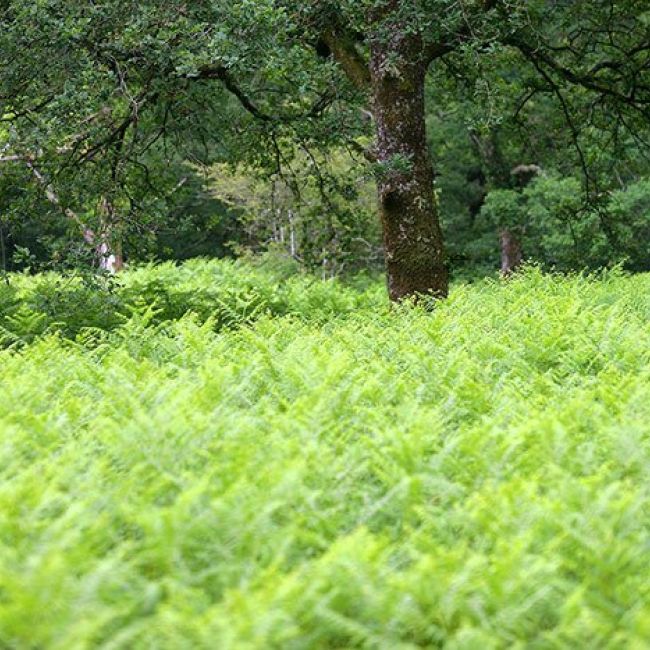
109	250
510	237
415	258
511	251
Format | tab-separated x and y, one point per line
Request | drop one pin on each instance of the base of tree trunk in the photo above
414	283
511	251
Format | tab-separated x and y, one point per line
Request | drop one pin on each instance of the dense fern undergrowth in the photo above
217	456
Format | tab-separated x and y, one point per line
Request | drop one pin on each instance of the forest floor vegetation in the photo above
219	455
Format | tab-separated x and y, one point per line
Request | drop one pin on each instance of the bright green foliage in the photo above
224	292
475	476
560	230
107	100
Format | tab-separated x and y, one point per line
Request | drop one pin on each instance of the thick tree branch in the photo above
347	55
10	159
53	198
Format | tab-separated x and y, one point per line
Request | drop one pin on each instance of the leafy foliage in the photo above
562	231
366	479
224	293
116	97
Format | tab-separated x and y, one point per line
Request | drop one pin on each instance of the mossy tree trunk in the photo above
413	243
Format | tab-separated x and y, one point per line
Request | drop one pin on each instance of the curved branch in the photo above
348	57
538	57
223	74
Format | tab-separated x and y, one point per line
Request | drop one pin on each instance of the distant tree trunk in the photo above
3	252
510	238
415	257
511	251
110	259
476	176
109	249
293	248
119	256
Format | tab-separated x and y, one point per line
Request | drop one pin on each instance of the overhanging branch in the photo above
224	75
347	55
538	57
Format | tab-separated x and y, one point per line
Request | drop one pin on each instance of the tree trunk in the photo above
110	259
109	250
413	244
511	251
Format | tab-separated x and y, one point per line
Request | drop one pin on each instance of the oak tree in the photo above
106	85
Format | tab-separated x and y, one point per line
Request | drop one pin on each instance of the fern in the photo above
236	463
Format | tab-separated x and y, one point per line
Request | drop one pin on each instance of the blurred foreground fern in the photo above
334	474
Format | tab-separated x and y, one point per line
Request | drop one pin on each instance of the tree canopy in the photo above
103	104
